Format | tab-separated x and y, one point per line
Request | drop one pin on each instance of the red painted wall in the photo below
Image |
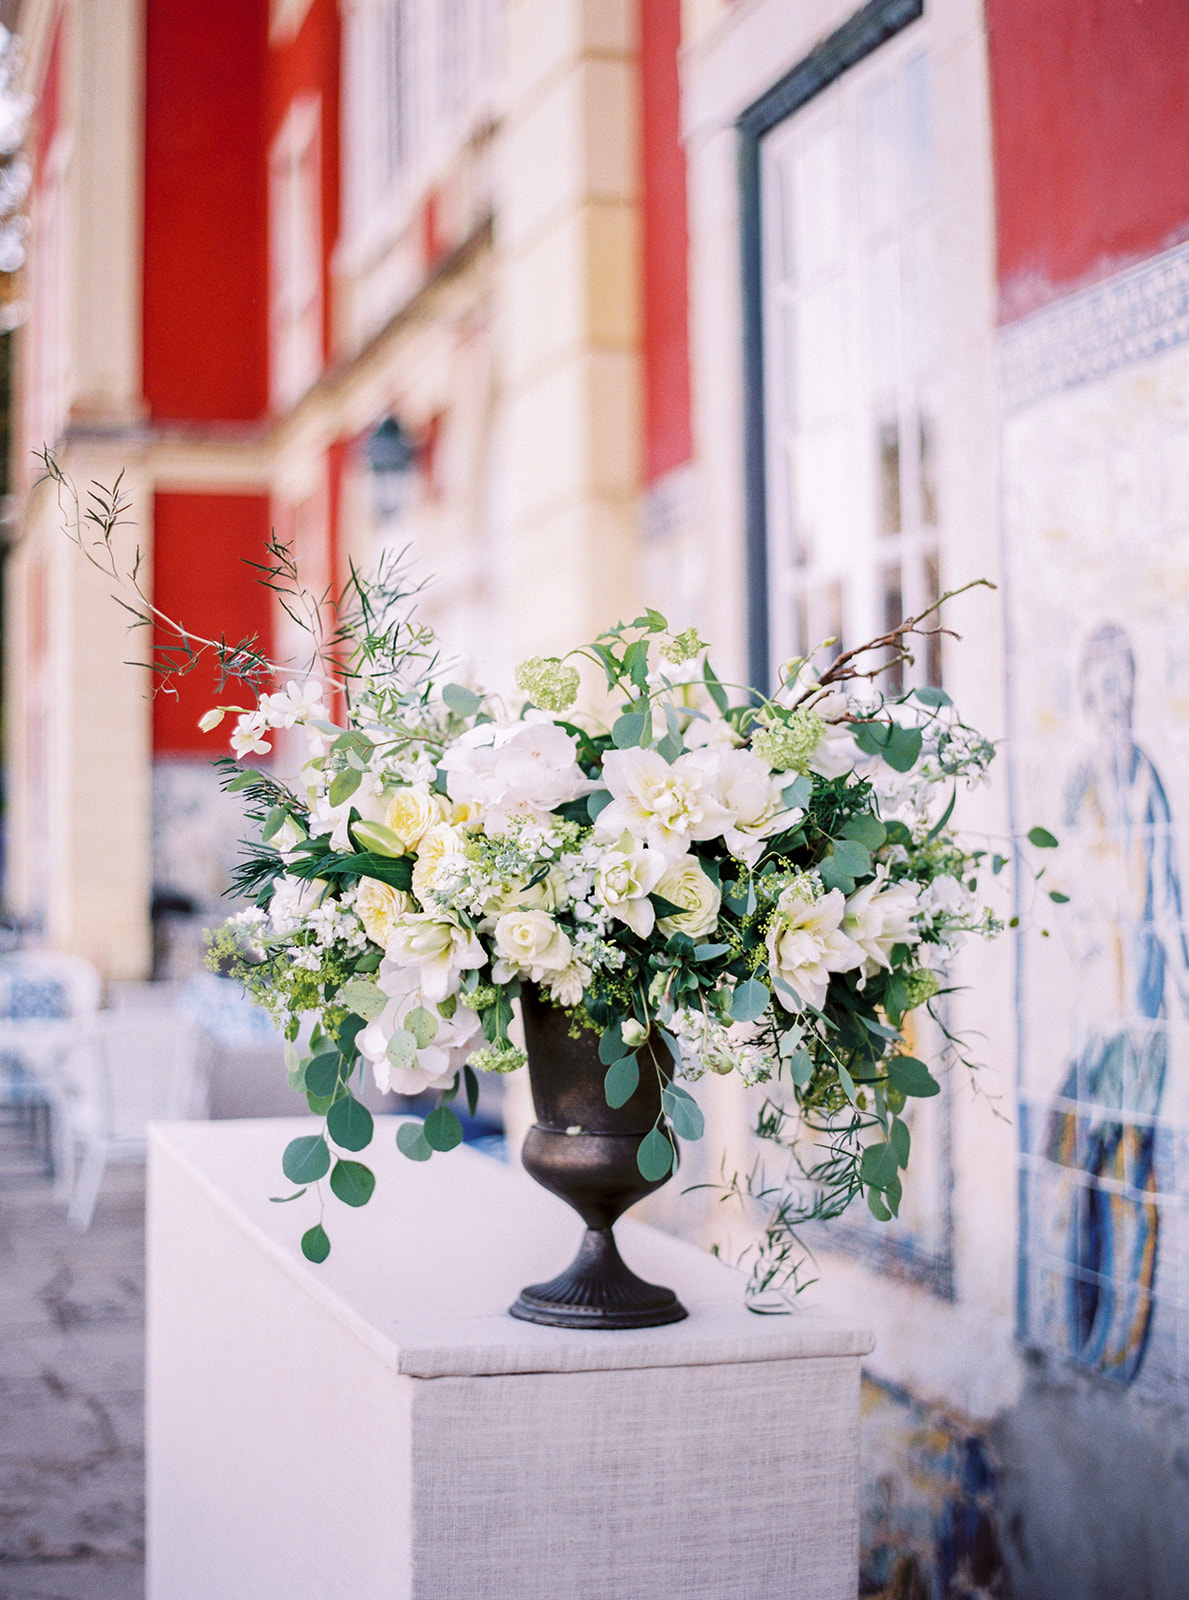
310	63
205	243
667	435
1090	104
200	544
48	110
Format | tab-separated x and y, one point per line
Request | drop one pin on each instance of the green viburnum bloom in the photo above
788	746
479	999
498	1058
682	647
920	985
548	682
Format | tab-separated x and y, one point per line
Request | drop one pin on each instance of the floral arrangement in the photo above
767	884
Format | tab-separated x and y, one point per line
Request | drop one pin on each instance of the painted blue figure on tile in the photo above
1133	959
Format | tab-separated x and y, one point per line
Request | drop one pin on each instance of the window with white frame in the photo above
849	326
295	250
417	74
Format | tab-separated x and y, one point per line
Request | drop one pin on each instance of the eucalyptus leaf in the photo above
655	1156
847	1082
470	1079
683	1112
350	1124
343	785
628	730
423	1025
352	1182
366	1000
411	1142
402	1050
801	1067
901	1141
912	1077
315	1246
306	1159
462	701
621	1081
750	1000
323	1073
877	1165
611	1045
1041	839
597	803
443	1131
796	795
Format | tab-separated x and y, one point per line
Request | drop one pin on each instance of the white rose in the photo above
379	907
625	876
686	885
530	941
806	944
411	812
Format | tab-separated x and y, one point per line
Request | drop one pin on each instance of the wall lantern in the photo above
392	462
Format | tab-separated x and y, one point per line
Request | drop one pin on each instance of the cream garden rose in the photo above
530	942
380	906
411	812
686	885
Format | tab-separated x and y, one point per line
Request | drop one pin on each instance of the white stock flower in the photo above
440	852
879	916
686	885
379	906
437	948
806	943
626	874
436	1061
663	806
530	942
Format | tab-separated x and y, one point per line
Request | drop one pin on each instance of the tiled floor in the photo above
71	1388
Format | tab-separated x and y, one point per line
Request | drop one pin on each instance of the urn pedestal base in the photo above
598	1291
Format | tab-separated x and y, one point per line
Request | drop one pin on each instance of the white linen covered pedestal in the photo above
378	1427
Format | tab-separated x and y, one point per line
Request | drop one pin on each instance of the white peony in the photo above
530	942
686	885
806	943
663	806
879	916
437	1060
529	767
438	949
625	876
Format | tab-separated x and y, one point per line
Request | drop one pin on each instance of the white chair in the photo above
44	996
128	1069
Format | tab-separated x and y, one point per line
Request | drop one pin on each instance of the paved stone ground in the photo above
71	1387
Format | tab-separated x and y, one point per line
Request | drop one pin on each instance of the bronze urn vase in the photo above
584	1151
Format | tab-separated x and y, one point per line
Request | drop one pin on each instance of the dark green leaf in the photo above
323	1074
470	1079
245	780
901	1141
621	1081
1042	839
666	908
350	1124
352	1182
717	692
847	1082
410	1141
462	701
1058	898
655	1156
944	817
750	1000
903	748
315	1246
876	1206
611	1045
306	1159
443	1131
912	1077
683	1112
284	1199
710	952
